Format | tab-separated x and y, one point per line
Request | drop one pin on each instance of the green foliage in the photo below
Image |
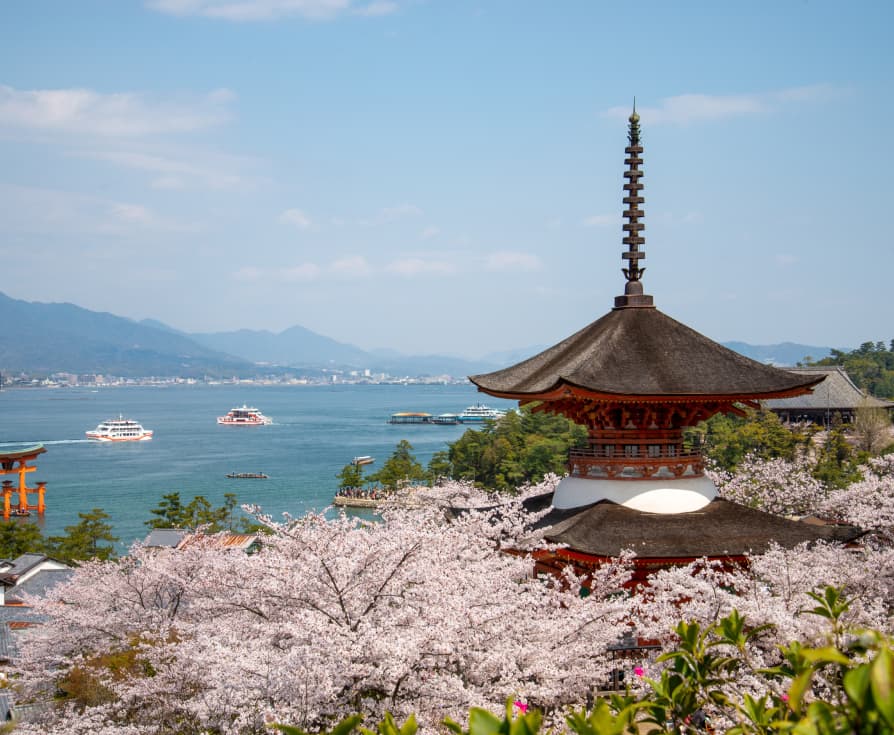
344	727
19	537
389	727
521	447
726	440
836	462
82	541
617	718
400	468
172	513
482	722
351	475
870	366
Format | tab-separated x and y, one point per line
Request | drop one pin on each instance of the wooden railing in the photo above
596	462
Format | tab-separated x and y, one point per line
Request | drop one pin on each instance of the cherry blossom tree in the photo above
410	614
868	503
421	611
780	486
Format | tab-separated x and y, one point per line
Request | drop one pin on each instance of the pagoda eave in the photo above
566	389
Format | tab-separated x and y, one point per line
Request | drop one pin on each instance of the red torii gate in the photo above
16	463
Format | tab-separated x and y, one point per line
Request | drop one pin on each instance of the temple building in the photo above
636	379
836	395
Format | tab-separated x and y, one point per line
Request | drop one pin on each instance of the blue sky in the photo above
445	176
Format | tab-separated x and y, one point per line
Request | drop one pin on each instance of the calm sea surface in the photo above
316	430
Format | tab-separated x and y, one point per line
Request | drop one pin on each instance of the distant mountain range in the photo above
53	338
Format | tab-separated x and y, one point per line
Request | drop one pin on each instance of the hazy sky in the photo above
445	176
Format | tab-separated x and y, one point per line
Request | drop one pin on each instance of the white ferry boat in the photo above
245	416
478	413
119	430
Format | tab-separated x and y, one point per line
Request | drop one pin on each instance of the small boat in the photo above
244	416
119	430
479	413
365	459
247	475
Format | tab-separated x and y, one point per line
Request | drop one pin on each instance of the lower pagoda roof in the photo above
643	353
719	529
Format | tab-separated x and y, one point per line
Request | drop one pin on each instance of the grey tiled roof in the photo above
23	563
41	583
168	537
719	529
837	392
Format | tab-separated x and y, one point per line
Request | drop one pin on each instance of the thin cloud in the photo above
300	273
55	211
378	8
124	217
429	233
172	173
689	108
420	266
296	218
123	114
513	261
354	266
266	10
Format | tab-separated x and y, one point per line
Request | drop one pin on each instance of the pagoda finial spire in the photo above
633	239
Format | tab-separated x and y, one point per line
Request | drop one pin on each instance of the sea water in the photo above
316	431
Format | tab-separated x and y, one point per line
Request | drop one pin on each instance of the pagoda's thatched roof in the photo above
643	352
719	529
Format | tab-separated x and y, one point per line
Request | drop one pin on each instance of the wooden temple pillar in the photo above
41	492
7	498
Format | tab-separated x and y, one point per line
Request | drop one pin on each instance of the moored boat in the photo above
365	459
247	475
445	419
410	417
244	416
119	430
478	413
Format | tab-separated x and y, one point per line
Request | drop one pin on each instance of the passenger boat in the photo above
247	475
478	413
365	459
119	430
245	416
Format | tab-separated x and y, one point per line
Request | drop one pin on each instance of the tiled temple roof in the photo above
643	352
837	392
720	529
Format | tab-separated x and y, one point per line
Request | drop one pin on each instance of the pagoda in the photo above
636	378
